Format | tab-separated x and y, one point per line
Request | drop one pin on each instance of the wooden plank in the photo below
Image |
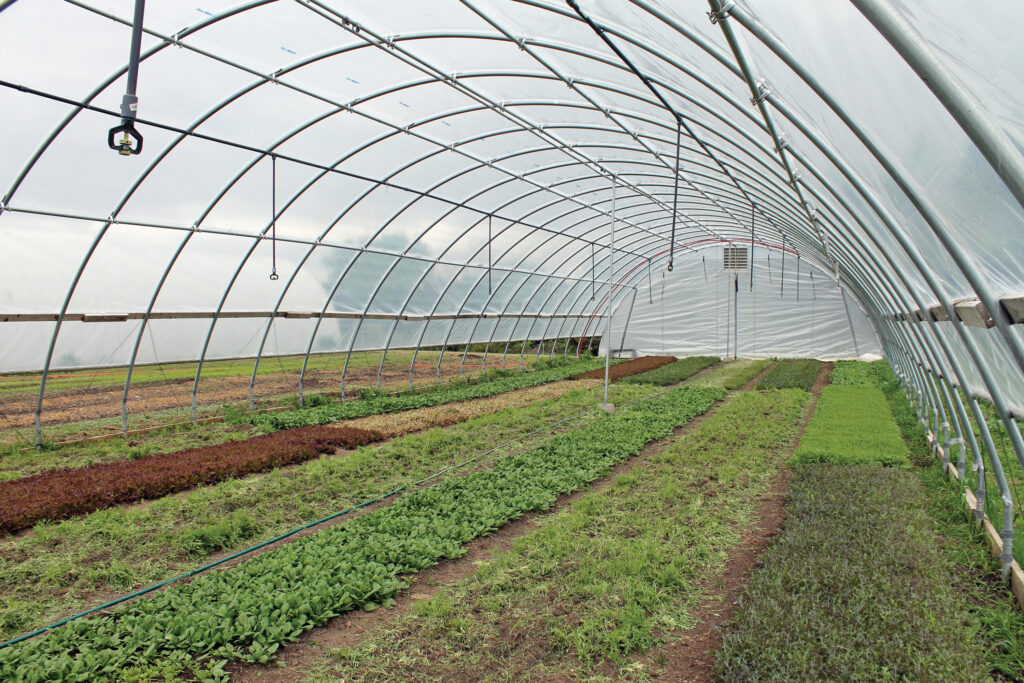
972	312
1014	306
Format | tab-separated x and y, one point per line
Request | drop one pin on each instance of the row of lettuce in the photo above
293	437
248	612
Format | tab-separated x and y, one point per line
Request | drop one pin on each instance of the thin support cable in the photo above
782	275
490	287
751	247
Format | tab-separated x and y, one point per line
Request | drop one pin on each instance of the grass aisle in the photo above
604	579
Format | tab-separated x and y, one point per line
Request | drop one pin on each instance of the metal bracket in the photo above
724	13
763	91
782	144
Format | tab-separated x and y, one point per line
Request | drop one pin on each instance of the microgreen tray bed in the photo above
58	494
852	425
246	613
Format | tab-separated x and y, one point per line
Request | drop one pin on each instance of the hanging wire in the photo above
489	287
593	274
798	276
782	276
650	285
273	217
704	263
675	195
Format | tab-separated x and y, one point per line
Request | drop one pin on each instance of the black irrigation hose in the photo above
304	527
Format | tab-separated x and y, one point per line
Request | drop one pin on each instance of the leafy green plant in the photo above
791	374
376	404
674	372
248	612
852	425
856	589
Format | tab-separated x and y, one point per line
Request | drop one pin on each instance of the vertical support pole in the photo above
608	322
490	289
736	315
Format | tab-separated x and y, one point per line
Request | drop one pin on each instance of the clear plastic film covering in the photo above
419	174
702	309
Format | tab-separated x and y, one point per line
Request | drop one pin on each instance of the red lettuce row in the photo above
59	494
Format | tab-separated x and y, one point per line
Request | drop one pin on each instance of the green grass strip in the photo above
852	425
246	613
857	589
673	372
791	374
507	380
603	579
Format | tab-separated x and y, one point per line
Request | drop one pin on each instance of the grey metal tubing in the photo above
1019	447
991	140
924	207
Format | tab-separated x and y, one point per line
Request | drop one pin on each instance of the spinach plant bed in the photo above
673	372
56	569
248	612
603	579
332	412
852	425
791	374
856	589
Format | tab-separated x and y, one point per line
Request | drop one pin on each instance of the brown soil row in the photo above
81	403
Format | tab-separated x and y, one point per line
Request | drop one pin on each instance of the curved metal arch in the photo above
251	87
924	208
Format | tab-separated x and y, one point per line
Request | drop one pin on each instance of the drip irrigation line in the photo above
304	527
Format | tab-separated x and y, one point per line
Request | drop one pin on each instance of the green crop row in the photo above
248	612
674	372
334	411
856	589
791	374
852	425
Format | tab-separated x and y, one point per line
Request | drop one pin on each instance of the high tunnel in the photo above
290	178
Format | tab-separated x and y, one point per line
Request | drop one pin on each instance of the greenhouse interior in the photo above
511	340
